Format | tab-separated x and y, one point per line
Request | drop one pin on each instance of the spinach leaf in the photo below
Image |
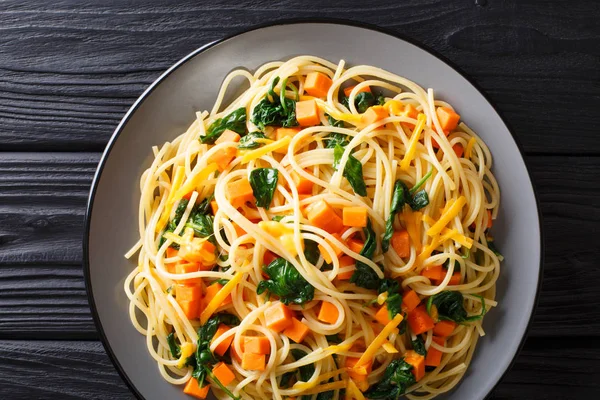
333	339
419	346
173	347
393	301
236	121
363	101
334	139
274	112
450	306
380	100
264	182
286	283
202	225
286	379
419	200
364	276
396	379
204	357
352	171
311	251
249	141
204	206
399	198
334	122
183	203
306	371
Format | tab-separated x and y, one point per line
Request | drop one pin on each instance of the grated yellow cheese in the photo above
447	216
254	154
469	148
426	252
186	350
388	347
192	183
220	296
457	237
353	392
379	340
394	107
323	377
178	176
412	144
174	238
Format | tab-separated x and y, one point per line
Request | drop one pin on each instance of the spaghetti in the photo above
325	235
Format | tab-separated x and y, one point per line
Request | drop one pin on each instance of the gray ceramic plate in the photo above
167	108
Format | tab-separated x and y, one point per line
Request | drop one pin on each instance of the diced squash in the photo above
317	84
354	216
307	113
224	345
346	261
278	317
337	250
323	216
170	253
184	267
188	292
303	185
269	257
410	301
281	133
211	292
454	279
240	192
411	112
355	245
490	222
401	243
191	309
257	345
444	328
220	298
297	331
223	157
417	361
419	320
228	136
448	119
458	150
382	315
199	250
374	114
214	207
328	313
357	373
348	90
192	388
434	356
434	272
253	362
223	373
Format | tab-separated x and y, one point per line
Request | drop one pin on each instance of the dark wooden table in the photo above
70	69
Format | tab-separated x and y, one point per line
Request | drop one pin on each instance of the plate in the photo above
168	107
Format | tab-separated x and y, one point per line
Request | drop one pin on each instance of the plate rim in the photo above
278	22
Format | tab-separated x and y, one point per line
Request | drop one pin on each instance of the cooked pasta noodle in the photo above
377	278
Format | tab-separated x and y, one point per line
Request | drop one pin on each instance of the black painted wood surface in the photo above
70	69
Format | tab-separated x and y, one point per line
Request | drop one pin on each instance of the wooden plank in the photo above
39	260
542	74
58	369
81	370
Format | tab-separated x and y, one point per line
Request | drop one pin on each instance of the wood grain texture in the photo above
43	197
70	69
81	370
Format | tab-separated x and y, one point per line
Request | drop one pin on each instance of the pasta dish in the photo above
324	235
